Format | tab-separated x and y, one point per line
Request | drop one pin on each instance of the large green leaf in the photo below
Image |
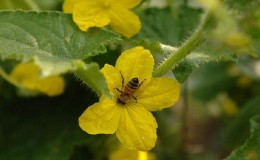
251	149
50	37
52	41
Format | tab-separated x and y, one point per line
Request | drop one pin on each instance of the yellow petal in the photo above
126	3
137	128
27	75
88	14
52	86
159	93
123	154
113	79
136	62
101	117
124	21
68	5
30	83
25	71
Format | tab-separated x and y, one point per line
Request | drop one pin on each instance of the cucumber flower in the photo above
135	93
27	75
100	13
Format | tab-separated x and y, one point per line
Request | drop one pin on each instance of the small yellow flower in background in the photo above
229	106
125	154
237	40
28	76
99	13
135	93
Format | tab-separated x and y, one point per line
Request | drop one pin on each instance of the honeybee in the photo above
127	92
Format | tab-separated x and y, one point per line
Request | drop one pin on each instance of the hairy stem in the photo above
93	79
175	57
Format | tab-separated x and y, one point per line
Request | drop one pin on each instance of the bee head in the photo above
135	80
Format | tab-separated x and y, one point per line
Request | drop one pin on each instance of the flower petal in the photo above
159	93
113	79
52	86
25	71
136	62
137	128
68	5
124	21
88	14
26	74
101	117
126	3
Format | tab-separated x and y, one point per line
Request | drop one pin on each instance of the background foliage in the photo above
217	116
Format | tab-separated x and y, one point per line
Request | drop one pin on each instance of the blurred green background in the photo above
210	120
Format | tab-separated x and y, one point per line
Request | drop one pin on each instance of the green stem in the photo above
8	79
90	75
184	50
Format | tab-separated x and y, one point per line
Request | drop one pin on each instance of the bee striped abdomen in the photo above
132	85
128	91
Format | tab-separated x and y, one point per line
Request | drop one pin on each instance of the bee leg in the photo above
141	83
118	90
135	98
123	80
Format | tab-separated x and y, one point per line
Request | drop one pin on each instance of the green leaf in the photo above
153	46
49	37
250	150
195	60
31	4
237	131
169	26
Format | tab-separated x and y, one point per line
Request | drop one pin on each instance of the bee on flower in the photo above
135	93
129	90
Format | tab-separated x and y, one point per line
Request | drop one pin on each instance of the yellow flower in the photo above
99	13
130	117
121	153
27	75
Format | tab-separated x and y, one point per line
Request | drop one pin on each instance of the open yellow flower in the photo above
99	13
27	75
130	118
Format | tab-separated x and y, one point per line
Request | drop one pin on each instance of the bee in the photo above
127	92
